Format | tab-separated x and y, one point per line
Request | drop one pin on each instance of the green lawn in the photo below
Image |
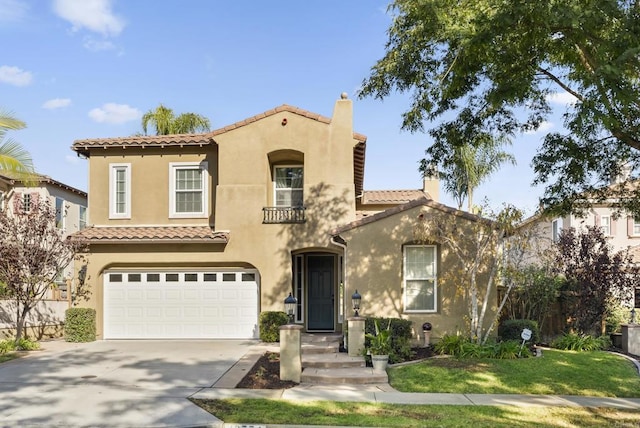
8	357
599	374
407	416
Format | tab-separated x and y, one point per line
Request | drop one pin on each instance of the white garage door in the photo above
180	305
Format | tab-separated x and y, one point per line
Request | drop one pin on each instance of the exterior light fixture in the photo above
290	306
355	302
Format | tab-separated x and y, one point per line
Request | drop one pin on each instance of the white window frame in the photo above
113	169
275	175
60	213
636	227
433	278
605	225
82	219
2	195
203	166
556	229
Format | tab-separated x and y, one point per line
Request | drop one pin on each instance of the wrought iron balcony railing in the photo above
272	215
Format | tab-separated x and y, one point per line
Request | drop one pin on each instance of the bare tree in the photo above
32	254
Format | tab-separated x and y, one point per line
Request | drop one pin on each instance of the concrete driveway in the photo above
114	383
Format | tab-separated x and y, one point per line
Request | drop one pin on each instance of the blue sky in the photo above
76	69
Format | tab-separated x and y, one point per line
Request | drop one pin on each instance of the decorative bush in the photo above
581	342
451	344
80	325
512	330
462	347
270	323
400	336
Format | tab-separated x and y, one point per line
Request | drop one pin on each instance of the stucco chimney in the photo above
342	120
431	186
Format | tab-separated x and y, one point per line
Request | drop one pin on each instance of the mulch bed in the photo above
265	374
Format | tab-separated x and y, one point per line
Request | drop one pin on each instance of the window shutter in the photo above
596	220
629	225
17	202
612	222
34	198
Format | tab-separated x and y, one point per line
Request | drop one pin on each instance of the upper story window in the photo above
636	226
188	197
26	202
288	185
2	196
605	225
556	228
120	190
82	217
60	213
420	278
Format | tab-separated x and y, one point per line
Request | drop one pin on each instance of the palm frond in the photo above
9	121
15	161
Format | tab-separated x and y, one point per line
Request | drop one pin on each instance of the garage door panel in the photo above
218	305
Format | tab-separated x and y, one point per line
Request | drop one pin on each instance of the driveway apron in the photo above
114	383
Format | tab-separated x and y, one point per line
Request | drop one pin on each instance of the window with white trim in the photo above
120	190
288	185
60	213
420	278
188	195
556	228
2	196
636	227
26	203
605	225
82	217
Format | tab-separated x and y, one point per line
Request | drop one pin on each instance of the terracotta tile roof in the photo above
144	141
424	201
391	196
40	179
152	234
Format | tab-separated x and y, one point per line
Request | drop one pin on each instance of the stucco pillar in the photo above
631	338
291	352
355	343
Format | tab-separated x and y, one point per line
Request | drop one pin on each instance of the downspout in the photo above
344	280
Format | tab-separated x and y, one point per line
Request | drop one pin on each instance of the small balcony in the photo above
276	215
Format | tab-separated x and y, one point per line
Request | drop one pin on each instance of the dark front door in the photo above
320	297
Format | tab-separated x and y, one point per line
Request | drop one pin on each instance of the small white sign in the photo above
526	334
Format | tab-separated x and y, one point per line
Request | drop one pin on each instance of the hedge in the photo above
401	335
270	323
80	325
512	330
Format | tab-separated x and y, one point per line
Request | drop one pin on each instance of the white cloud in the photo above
14	76
56	103
72	159
564	98
98	45
93	15
12	11
544	127
114	113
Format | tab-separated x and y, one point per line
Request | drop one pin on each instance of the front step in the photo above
321	337
344	376
331	361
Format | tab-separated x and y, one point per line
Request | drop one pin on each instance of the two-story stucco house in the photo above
193	236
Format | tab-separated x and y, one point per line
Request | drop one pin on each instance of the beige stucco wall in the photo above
375	267
240	186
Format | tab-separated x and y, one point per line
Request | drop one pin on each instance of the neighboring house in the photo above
72	216
193	236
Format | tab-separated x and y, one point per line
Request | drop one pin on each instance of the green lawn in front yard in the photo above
596	373
247	411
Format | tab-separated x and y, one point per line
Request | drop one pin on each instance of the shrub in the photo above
451	344
581	342
512	330
270	323
400	336
23	344
618	315
80	325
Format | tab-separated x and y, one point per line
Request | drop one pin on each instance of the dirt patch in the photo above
265	373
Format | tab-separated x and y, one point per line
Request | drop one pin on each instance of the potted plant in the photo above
380	347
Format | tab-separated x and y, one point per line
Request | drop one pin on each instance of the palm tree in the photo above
166	122
14	159
470	164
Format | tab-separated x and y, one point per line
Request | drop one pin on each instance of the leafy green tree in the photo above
489	66
14	159
165	122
